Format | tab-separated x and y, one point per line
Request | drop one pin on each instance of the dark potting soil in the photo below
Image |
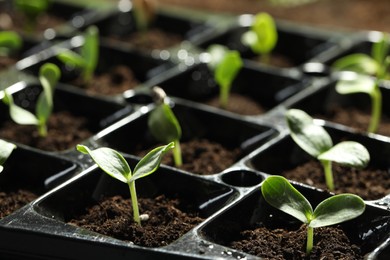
370	184
329	243
113	217
239	104
64	132
276	60
17	22
14	200
6	62
356	118
116	81
201	156
152	39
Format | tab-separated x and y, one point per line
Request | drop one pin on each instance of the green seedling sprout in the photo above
279	193
31	10
144	13
314	140
113	163
226	64
6	149
366	66
10	42
164	125
49	75
262	36
88	58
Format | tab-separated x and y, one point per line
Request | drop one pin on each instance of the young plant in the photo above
314	140
225	64
366	66
31	10
49	75
113	163
164	125
279	193
10	42
144	13
262	36
6	149
88	58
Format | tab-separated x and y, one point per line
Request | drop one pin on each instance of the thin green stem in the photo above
265	58
177	154
327	165
134	202
376	109
309	242
42	130
224	96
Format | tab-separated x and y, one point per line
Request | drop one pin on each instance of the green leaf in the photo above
266	33
19	115
310	137
6	149
347	153
49	75
32	8
90	49
217	53
110	161
72	58
227	70
150	162
356	84
163	124
358	62
279	193
9	42
337	209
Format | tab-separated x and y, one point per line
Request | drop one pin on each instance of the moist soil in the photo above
357	119
345	14
168	220
11	201
17	22
116	81
65	131
239	104
152	39
277	244
200	156
275	60
370	184
6	62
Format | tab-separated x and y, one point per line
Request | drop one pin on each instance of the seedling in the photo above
366	66
144	13
164	125
279	193
113	163
48	75
88	58
262	36
314	140
6	149
31	10
10	42
225	64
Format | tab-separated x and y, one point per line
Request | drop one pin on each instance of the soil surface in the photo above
17	22
117	80
6	62
11	201
113	217
152	39
201	156
65	131
239	104
370	184
329	243
333	14
357	119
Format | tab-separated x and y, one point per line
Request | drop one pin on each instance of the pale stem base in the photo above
134	202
